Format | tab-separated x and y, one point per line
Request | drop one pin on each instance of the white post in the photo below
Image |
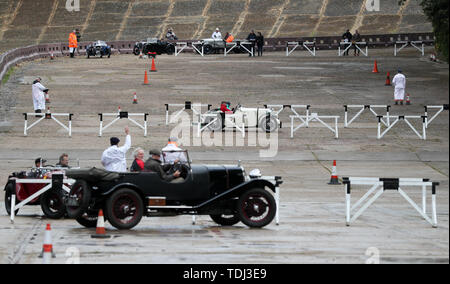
277	202
424	199
336	127
347	203
25	128
101	127
433	203
13	205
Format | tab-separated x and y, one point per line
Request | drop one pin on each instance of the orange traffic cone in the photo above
135	102
146	78
408	101
388	79
375	67
47	248
100	232
153	69
334	178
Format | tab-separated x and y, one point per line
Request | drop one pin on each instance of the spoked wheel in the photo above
8	193
268	124
256	208
216	125
124	209
52	204
225	220
79	198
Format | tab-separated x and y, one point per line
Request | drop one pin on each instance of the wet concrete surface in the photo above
312	214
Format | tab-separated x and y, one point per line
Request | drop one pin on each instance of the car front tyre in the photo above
52	204
256	208
8	193
79	198
124	209
225	220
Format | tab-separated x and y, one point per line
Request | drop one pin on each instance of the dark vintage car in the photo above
98	48
154	45
225	193
25	184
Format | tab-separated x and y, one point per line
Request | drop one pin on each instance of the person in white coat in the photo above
114	158
217	34
38	96
399	83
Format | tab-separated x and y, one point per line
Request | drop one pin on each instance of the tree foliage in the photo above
437	12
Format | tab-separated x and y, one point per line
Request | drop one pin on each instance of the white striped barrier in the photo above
440	110
196	109
51	116
123	115
309	46
356	44
315	117
198	46
362	108
239	44
380	186
179	47
404	118
418	44
57	182
277	109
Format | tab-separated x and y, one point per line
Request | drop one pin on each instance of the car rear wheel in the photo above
8	193
268	124
216	125
124	209
225	220
52	204
79	198
256	208
207	49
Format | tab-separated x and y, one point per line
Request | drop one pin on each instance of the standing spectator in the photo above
138	163
399	83
170	35
113	158
252	39
260	43
73	43
217	34
356	38
228	37
347	37
38	95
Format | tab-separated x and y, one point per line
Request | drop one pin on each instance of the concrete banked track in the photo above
26	22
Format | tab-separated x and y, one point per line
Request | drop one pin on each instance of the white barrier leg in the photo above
348	204
424	199
277	202
13	205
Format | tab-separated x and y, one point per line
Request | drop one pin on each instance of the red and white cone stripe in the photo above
48	246
100	231
334	177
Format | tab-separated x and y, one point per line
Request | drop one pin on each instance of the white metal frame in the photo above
277	109
238	44
48	115
379	186
440	110
347	122
405	119
49	185
122	115
194	46
231	118
305	44
356	44
412	43
179	47
315	117
186	106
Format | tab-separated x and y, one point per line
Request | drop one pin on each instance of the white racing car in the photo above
263	118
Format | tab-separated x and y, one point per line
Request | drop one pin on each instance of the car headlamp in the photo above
256	173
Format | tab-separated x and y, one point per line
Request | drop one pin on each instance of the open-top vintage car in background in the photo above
211	45
225	193
263	118
98	48
153	45
25	184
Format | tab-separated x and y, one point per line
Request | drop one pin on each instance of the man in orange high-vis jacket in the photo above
73	43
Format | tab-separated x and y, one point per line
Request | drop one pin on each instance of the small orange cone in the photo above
146	78
153	69
375	67
388	79
47	248
334	178
135	102
408	101
100	232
